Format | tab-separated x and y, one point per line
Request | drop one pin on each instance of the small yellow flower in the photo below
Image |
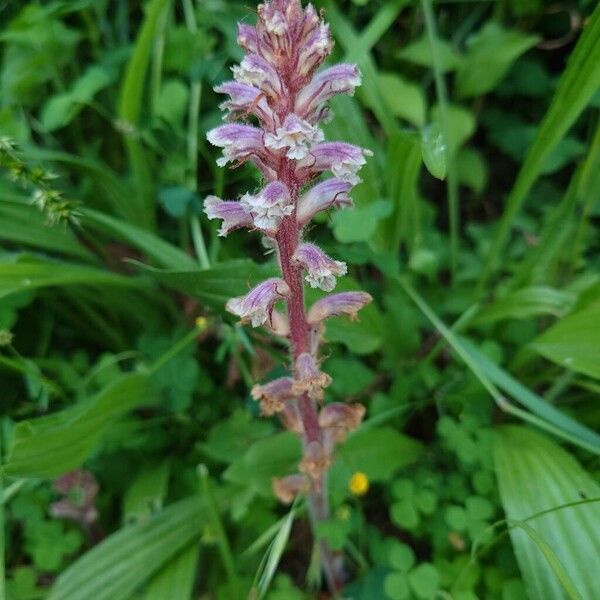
201	322
359	484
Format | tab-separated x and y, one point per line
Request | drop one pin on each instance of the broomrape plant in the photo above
277	83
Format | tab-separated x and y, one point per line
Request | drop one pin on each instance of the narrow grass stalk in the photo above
442	96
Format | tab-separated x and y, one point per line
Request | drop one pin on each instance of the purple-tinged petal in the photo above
273	19
309	379
316	461
343	160
247	37
324	195
272	395
344	303
314	49
296	134
339	79
231	212
255	70
257	304
287	488
239	142
269	206
245	100
321	270
339	414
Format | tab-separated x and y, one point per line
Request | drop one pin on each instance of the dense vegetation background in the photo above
134	463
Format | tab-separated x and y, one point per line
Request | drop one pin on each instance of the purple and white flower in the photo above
257	304
245	99
231	212
257	71
343	303
238	142
321	270
324	195
343	160
309	379
272	395
296	134
339	79
315	49
269	206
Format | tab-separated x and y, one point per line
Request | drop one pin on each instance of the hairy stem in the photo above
287	242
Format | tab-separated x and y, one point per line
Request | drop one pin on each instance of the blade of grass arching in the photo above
579	82
442	97
584	188
130	108
554	426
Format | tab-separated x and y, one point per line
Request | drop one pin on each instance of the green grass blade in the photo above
130	108
579	82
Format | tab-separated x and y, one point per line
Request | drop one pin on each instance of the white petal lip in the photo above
321	270
269	206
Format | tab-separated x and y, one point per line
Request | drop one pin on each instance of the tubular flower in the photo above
321	270
256	306
280	90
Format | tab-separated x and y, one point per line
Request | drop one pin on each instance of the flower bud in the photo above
272	395
315	461
287	488
344	303
231	212
256	306
310	379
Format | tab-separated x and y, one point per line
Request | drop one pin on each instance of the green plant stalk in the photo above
192	144
173	351
442	95
219	531
129	112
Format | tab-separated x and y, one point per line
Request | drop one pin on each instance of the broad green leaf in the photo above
216	285
535	475
402	172
579	82
434	150
460	125
490	53
360	223
405	99
147	492
54	444
274	456
28	273
61	109
472	169
526	303
574	342
125	560
161	252
176	579
377	452
419	53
